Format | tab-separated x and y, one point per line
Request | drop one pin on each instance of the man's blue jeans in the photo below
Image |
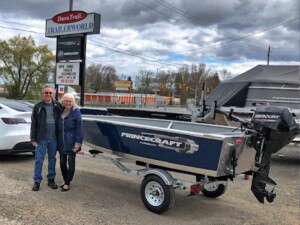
40	151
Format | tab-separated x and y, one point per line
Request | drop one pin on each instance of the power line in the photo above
106	47
109	48
186	15
106	64
171	7
135	55
236	39
174	52
30	31
190	17
22	24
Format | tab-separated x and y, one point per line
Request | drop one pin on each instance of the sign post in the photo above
71	29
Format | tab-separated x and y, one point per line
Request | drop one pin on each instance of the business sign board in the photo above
69	48
121	89
73	22
122	84
67	73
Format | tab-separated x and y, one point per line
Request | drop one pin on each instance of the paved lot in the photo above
102	194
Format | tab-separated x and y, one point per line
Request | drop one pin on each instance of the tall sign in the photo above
70	29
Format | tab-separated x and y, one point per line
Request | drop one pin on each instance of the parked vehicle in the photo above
15	122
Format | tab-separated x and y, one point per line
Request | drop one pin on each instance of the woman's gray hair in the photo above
71	96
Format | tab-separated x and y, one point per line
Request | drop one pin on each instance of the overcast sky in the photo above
165	34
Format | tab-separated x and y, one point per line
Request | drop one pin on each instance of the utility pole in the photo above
269	50
71	5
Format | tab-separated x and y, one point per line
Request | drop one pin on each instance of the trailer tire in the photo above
214	191
156	195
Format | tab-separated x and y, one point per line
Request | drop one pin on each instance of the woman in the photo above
70	136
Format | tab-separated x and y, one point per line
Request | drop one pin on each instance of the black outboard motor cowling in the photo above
278	124
275	127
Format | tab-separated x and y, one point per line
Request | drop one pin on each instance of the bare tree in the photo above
100	78
143	81
225	75
166	78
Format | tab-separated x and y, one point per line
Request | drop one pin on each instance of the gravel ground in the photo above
102	194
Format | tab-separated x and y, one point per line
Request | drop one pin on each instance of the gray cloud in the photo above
148	28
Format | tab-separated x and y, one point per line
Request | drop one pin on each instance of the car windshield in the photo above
20	106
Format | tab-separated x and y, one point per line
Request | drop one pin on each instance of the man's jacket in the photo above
38	120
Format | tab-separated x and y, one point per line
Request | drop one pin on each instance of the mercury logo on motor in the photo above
266	116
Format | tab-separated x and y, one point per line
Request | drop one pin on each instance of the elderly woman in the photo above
70	136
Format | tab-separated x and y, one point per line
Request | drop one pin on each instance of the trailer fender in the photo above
164	175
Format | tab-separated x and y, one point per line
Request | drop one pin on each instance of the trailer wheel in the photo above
214	191
156	195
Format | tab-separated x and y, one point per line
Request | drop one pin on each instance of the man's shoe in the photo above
36	186
52	184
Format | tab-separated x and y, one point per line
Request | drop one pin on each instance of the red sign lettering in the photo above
69	17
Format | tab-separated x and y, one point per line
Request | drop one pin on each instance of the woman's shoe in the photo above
65	188
61	186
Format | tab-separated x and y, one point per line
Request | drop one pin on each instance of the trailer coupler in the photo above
260	179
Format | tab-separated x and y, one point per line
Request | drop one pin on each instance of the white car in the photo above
15	122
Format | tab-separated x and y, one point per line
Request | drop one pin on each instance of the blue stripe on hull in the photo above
111	136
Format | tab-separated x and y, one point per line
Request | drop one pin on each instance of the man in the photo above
43	136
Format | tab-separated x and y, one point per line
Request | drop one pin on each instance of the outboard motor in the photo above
275	127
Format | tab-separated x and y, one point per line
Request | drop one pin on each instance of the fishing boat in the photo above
213	153
169	144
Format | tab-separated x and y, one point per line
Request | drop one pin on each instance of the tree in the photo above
199	75
26	67
144	81
93	77
167	80
225	75
181	80
188	81
129	79
100	78
110	77
212	82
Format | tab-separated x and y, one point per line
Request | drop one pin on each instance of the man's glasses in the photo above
48	93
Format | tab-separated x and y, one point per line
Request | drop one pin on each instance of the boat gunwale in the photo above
215	136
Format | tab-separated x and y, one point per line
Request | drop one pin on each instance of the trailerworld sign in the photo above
71	29
73	22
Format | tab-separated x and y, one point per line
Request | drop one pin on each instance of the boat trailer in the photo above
158	185
270	129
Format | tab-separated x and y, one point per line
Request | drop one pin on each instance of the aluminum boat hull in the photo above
183	146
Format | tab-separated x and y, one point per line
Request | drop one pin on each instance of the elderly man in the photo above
43	136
